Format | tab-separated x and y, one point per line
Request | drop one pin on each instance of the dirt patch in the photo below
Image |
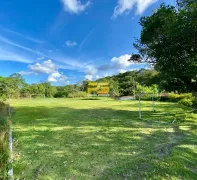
163	150
175	138
37	171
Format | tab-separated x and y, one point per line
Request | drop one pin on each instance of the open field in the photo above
103	139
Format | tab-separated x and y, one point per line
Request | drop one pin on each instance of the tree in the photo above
26	90
147	77
49	89
168	40
183	3
114	88
17	80
62	91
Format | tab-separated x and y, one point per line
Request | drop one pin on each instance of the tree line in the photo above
122	84
15	86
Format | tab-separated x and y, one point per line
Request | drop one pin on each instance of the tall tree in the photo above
169	41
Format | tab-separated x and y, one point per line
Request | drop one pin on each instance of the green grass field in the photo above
61	139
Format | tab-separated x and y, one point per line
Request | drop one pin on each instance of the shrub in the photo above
79	94
186	99
163	98
148	97
186	102
195	103
177	97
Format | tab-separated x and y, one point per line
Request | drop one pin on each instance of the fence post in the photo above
140	115
10	171
153	103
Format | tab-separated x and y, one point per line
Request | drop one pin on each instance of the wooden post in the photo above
10	171
153	103
140	115
134	88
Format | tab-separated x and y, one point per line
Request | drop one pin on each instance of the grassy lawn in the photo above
103	139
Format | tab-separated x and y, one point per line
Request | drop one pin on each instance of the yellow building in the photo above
98	88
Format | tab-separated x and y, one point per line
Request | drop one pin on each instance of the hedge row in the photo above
186	99
79	94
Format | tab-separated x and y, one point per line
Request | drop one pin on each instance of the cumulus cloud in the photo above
53	77
116	65
74	6
46	67
90	70
56	77
125	6
71	43
122	70
89	77
121	62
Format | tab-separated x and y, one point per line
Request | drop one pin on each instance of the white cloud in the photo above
67	82
74	6
56	77
9	55
71	43
89	77
18	52
122	70
46	67
9	42
90	70
97	77
13	51
125	6
121	62
116	65
85	40
40	58
25	73
23	36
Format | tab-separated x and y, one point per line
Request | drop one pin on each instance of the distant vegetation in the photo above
124	84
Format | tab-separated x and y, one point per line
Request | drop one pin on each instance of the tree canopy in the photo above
168	40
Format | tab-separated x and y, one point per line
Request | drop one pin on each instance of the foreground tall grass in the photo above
103	139
4	127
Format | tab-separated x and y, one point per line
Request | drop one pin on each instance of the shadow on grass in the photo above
102	143
91	99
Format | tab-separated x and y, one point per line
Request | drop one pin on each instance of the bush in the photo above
186	99
177	97
79	94
148	97
194	103
186	102
163	98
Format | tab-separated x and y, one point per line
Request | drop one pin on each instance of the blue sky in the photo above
67	41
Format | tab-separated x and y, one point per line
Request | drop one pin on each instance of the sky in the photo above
68	41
